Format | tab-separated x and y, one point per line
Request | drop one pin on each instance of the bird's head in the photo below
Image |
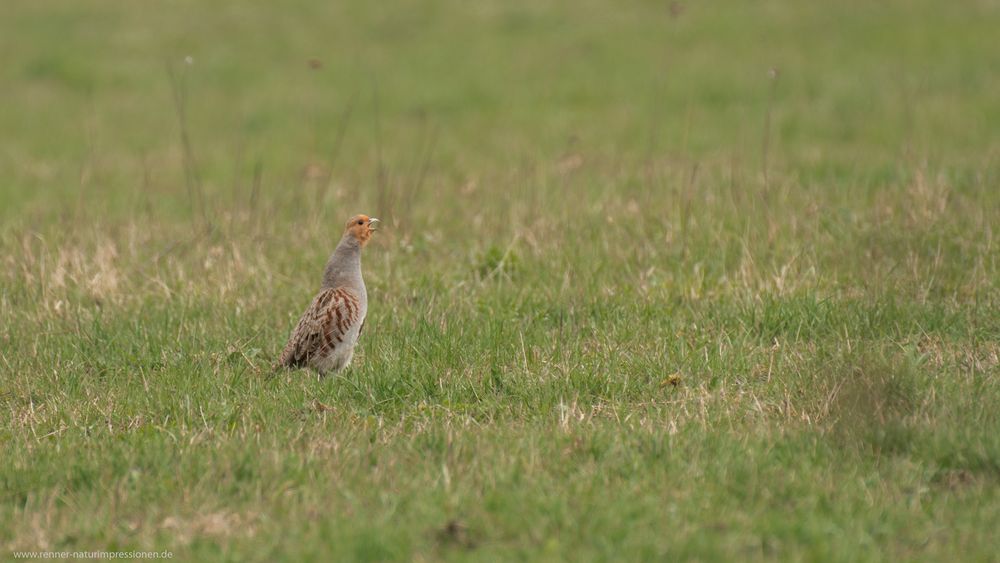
361	228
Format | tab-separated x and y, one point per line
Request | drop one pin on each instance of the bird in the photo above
325	336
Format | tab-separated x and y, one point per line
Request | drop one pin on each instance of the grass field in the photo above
690	280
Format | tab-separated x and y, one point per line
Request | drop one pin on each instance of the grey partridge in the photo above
326	334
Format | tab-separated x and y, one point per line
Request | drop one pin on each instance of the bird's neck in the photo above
344	267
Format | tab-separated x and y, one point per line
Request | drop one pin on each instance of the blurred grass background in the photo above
659	279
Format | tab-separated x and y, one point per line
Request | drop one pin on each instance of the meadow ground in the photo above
658	280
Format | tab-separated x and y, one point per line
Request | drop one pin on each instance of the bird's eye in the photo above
360	222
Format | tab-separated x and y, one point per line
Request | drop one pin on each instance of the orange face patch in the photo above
360	227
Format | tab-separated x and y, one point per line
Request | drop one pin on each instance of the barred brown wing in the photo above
324	327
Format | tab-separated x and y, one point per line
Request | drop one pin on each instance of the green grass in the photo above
637	296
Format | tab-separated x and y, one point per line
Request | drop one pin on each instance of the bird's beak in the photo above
373	223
